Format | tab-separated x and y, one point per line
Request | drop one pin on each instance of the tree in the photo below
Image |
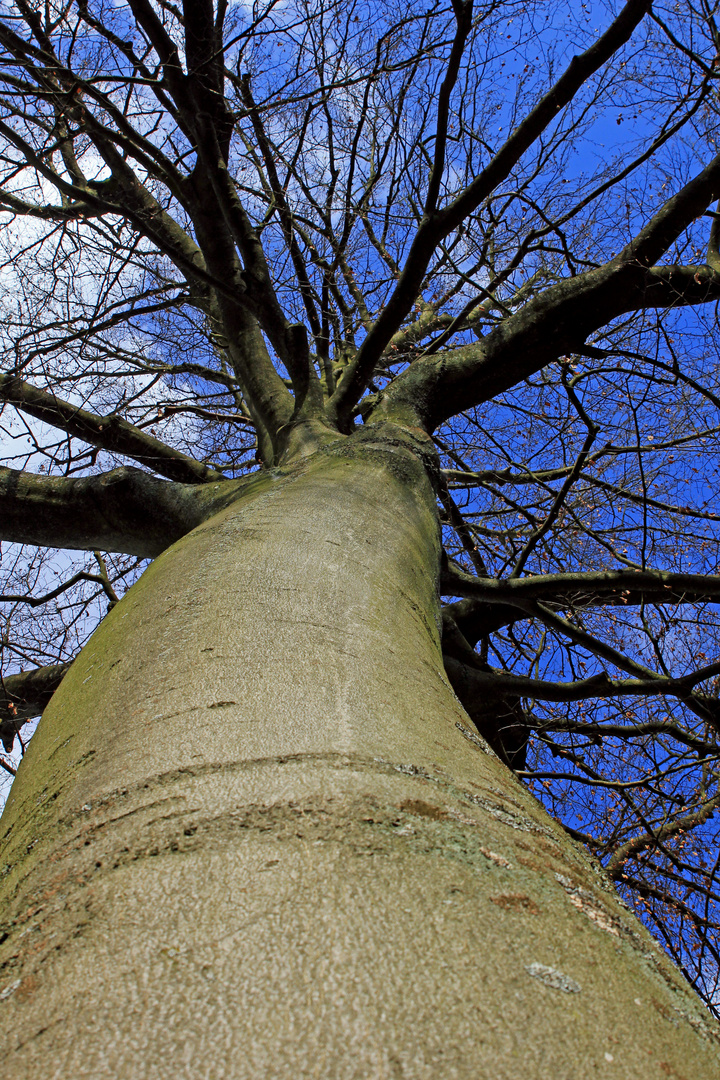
329	311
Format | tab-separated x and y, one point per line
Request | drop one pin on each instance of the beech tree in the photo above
360	426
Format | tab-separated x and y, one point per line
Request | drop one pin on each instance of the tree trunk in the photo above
256	836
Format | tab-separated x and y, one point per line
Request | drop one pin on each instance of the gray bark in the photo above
256	835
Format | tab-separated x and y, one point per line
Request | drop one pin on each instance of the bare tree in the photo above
331	311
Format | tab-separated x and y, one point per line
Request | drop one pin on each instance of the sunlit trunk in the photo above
256	836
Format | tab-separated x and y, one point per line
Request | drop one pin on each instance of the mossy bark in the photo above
256	836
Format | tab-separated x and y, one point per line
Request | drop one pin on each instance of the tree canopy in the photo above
230	231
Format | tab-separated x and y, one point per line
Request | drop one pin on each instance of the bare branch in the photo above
125	510
436	225
24	696
558	321
622	587
478	684
111	433
652	838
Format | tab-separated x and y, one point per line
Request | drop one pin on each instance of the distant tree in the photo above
332	311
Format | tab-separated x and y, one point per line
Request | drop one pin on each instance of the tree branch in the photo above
558	321
476	685
436	225
24	696
652	839
636	730
125	510
622	587
111	432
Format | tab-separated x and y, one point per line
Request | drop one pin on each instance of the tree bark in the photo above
256	836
